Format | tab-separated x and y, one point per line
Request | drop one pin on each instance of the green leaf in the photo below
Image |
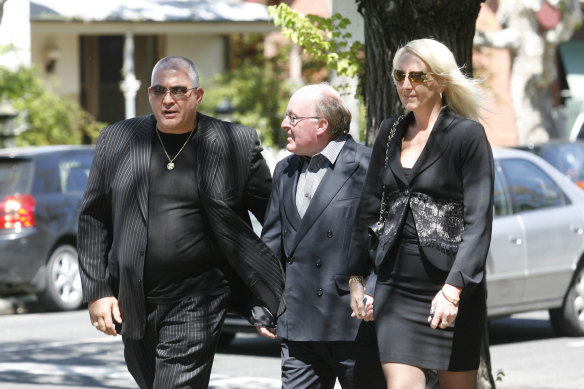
323	39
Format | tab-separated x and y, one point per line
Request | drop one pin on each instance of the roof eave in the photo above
150	28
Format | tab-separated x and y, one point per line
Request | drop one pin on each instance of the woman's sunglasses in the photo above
414	77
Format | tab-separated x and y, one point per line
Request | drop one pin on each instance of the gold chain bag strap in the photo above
376	229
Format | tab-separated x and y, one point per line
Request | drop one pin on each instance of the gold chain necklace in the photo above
170	164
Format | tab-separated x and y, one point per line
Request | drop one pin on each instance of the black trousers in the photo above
317	365
180	342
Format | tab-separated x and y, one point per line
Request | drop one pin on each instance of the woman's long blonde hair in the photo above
460	94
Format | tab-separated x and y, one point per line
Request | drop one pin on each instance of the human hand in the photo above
103	312
368	301
444	308
267	332
358	300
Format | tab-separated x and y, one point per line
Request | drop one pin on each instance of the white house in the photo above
94	48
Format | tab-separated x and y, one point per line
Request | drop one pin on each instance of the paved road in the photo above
63	351
532	356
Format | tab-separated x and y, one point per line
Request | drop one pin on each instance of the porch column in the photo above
130	83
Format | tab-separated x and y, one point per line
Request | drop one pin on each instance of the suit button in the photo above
329	234
319	292
290	260
318	263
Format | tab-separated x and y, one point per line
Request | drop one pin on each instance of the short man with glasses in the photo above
315	194
165	240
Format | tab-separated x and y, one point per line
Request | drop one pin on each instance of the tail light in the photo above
17	212
580	183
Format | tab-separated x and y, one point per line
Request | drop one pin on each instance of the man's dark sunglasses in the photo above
176	91
414	77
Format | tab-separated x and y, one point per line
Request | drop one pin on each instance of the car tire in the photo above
568	320
63	282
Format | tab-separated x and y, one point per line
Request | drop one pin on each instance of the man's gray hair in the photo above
174	62
330	106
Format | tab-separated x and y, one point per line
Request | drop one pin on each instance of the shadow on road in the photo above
252	344
48	363
514	330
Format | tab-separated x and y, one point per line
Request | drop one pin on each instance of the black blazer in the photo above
450	192
233	178
314	249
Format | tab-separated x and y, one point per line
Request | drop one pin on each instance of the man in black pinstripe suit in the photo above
165	241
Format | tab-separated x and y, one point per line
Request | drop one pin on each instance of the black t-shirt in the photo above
182	257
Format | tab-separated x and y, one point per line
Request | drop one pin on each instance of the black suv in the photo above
40	194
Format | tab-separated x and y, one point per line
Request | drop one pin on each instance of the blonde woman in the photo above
436	185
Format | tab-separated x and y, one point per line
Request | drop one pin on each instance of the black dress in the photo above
406	285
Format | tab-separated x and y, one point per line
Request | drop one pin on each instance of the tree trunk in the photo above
1	9
388	25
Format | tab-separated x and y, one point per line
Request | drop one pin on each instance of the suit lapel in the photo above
140	151
436	144
208	149
331	183
394	159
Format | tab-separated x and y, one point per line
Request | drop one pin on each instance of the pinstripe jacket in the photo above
112	239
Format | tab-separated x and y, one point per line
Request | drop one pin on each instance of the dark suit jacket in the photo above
450	191
314	249
233	178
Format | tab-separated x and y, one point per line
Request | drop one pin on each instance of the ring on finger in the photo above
444	323
431	316
95	324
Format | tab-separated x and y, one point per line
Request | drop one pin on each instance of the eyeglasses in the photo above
295	119
414	77
176	91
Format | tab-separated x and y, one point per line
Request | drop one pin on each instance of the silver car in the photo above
536	259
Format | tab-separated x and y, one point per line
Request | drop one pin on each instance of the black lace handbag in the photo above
375	230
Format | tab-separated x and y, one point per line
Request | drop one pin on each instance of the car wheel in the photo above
568	320
63	288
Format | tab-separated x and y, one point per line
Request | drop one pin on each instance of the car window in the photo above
46	178
530	187
14	176
73	172
501	199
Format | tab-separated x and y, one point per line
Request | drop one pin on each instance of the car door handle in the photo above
577	230
515	241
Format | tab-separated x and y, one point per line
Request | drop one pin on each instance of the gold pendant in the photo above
170	166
